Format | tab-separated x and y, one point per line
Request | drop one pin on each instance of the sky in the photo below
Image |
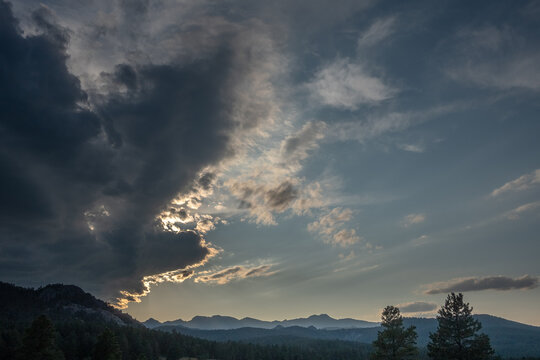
273	159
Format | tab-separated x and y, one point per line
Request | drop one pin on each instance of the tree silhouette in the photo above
456	337
394	342
107	347
39	342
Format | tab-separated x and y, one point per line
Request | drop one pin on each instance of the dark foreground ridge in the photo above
79	319
20	305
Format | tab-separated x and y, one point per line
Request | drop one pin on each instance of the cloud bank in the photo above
502	283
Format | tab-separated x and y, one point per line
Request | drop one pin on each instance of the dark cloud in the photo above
162	251
134	15
266	197
244	204
417	306
309	17
279	197
45	21
181	213
43	128
134	7
206	180
306	139
81	183
126	75
484	283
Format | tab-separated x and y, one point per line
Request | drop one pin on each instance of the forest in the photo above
63	322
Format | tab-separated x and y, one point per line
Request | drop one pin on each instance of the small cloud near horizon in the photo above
417	307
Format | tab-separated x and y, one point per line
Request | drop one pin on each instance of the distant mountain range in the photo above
509	338
218	322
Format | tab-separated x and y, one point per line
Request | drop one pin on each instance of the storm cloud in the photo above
82	181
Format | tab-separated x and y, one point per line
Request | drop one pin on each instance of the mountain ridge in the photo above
221	322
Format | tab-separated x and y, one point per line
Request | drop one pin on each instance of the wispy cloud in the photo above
295	147
347	257
331	227
376	125
378	31
499	282
328	223
229	274
496	57
413	219
523	182
421	240
515	213
412	148
346	237
347	85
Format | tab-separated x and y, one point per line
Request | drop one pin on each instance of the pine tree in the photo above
39	342
394	342
457	335
107	347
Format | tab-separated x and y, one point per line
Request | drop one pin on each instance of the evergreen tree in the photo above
39	342
457	335
107	347
394	342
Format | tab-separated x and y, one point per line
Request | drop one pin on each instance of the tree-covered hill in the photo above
83	327
19	306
